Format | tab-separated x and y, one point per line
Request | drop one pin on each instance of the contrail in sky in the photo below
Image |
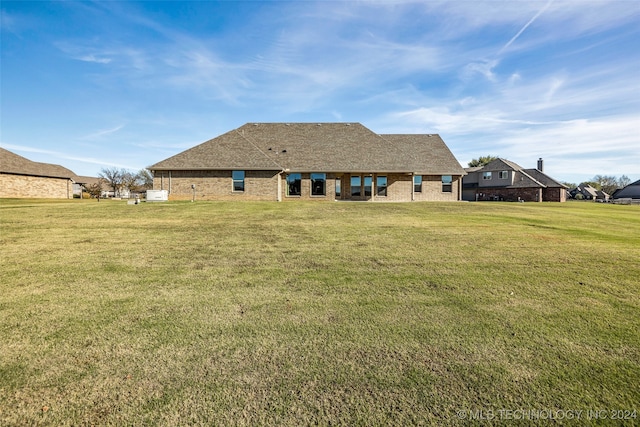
525	26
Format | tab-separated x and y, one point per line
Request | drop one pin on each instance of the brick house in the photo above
312	161
23	178
502	179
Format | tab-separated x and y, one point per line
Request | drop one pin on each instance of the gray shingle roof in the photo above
631	191
316	147
544	178
426	154
12	163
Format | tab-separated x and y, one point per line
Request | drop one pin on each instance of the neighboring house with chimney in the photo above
503	180
23	178
312	161
587	192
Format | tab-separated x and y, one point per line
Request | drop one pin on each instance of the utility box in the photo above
157	195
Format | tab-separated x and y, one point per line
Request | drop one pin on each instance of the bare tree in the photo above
129	180
94	189
145	179
113	176
608	184
623	181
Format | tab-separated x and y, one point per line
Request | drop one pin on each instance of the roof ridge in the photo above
546	176
243	136
524	172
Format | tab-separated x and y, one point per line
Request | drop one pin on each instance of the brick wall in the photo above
509	194
432	189
305	188
263	185
216	185
554	195
524	194
22	186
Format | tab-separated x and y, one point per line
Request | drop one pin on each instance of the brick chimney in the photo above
540	164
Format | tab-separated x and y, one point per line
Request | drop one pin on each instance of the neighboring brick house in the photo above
504	180
312	161
23	178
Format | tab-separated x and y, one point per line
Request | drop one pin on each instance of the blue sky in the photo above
90	85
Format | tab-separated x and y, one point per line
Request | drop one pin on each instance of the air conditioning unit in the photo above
157	195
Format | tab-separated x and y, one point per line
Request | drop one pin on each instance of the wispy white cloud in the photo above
102	133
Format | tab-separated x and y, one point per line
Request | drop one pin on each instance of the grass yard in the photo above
318	313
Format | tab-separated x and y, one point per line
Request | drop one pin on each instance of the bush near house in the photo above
316	313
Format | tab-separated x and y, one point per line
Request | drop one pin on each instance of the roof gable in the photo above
501	165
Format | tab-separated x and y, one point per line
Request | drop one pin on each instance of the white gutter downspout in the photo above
169	182
279	196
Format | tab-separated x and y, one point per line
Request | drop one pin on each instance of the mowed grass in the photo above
315	313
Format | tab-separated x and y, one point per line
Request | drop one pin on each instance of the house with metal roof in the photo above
503	180
312	161
23	178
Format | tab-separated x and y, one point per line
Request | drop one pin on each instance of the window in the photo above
318	184
368	181
238	181
446	183
355	186
504	174
338	187
486	175
294	184
381	186
417	183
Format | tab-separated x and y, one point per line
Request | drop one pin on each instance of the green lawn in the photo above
317	313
